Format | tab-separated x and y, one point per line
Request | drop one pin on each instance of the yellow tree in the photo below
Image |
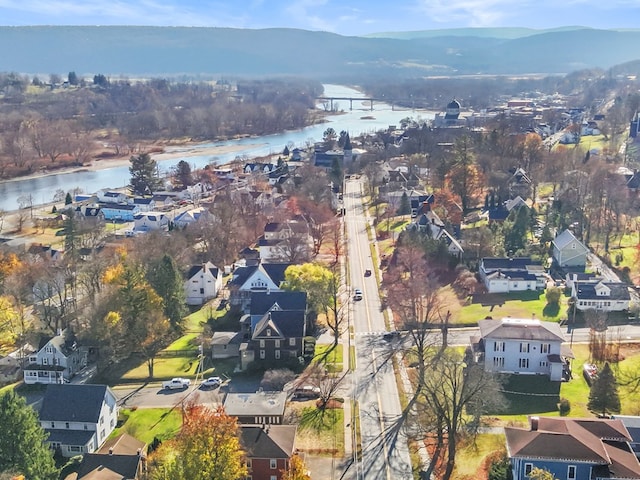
296	470
207	447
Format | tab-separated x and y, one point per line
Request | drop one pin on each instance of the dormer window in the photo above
48	349
268	332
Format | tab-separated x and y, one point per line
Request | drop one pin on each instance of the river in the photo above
43	188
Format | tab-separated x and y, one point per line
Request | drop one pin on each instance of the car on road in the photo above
357	294
212	382
391	335
176	383
367	273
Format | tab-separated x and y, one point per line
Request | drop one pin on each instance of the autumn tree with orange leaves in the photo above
464	178
207	447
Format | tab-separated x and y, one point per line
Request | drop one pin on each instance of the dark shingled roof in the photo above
515	263
261	302
105	467
290	323
73	403
587	291
70	437
272	441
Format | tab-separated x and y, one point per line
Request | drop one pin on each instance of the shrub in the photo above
564	406
553	295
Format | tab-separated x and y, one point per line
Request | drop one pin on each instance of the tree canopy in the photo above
207	447
22	444
603	396
144	175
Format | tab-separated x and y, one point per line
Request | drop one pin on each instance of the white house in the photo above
110	196
265	277
601	296
146	221
146	204
281	241
503	275
57	360
202	283
78	418
568	251
528	347
189	217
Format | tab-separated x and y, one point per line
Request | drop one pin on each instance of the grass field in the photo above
148	423
470	455
164	369
515	305
333	359
320	431
186	342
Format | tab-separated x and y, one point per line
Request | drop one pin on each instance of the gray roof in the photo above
514	263
194	269
271	441
565	238
520	329
226	338
74	403
261	302
289	323
259	404
70	437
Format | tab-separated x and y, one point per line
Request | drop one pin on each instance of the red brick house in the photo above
269	449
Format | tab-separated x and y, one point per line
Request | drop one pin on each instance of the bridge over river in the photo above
387	101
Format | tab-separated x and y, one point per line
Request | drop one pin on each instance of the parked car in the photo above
367	273
306	392
357	294
212	382
176	383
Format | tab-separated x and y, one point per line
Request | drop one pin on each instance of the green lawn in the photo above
515	305
186	342
471	454
145	424
321	431
334	359
164	369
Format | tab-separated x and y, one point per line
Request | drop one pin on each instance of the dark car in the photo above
367	273
391	335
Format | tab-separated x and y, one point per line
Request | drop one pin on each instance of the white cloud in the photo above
305	14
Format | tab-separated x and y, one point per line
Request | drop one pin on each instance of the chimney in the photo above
111	451
139	452
534	423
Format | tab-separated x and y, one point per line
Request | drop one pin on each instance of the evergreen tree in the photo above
336	172
603	396
515	229
286	152
22	444
144	175
67	199
183	176
165	278
405	206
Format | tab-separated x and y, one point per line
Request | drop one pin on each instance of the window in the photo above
292	342
273	477
268	332
545	348
273	463
202	291
261	343
571	472
277	344
45	361
262	355
498	361
277	354
527	468
48	349
53	424
524	348
75	448
101	420
86	427
66	424
101	434
523	363
248	463
498	346
544	364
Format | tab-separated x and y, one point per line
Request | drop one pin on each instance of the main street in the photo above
385	453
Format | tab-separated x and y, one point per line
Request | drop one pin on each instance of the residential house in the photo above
227	344
146	204
572	449
268	450
57	360
260	408
189	217
118	212
202	283
601	296
121	458
165	199
78	418
264	277
516	274
111	196
632	423
569	252
572	278
284	241
45	252
10	369
148	221
264	168
523	346
278	335
519	184
429	223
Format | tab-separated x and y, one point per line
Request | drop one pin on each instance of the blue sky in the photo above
346	17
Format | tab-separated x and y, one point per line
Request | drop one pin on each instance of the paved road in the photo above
385	454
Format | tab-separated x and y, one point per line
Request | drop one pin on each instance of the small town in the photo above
453	296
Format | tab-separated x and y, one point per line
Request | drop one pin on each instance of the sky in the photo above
345	17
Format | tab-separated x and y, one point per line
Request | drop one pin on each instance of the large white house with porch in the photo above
522	346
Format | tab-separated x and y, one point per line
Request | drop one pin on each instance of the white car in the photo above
357	294
212	382
176	383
